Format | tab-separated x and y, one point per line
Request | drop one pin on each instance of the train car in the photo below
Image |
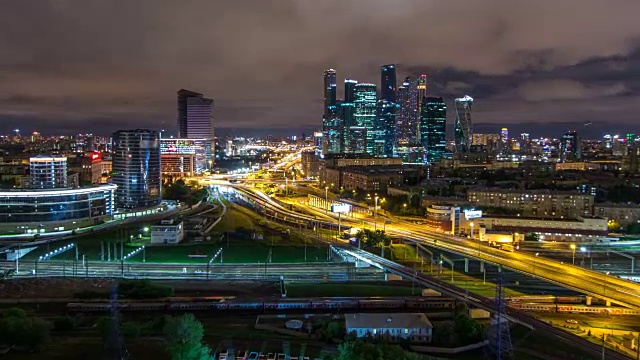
91	307
334	304
258	305
445	304
570	299
284	305
382	304
148	306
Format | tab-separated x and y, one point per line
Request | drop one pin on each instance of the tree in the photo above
361	350
373	238
17	329
531	237
183	336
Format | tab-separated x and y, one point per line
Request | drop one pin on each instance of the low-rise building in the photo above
583	229
414	327
167	232
543	203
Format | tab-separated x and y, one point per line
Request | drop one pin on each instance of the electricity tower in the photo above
499	335
115	345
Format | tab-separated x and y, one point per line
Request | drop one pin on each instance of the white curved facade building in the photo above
45	210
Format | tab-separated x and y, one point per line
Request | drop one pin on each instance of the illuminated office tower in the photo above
195	120
349	90
356	140
388	83
333	130
504	134
407	116
422	89
570	146
136	168
330	96
365	100
332	120
463	128
433	124
385	131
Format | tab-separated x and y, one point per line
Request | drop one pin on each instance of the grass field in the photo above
350	290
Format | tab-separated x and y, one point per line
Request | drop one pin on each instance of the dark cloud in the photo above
65	64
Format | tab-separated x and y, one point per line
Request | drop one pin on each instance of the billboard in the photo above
178	146
472	214
340	208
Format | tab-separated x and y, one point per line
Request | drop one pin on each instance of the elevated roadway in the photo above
588	282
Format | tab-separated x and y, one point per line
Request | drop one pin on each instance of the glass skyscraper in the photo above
136	168
385	132
388	83
406	118
195	119
433	128
463	128
332	119
365	100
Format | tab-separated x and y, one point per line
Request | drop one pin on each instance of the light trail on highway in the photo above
589	282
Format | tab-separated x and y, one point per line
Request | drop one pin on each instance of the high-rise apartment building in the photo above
365	100
195	120
48	172
463	128
136	168
433	124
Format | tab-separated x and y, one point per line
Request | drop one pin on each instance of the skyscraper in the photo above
329	89
349	90
48	172
570	146
136	168
365	100
433	123
195	119
407	115
463	128
385	132
422	88
333	130
388	83
332	120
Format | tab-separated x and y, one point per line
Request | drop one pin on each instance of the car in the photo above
571	321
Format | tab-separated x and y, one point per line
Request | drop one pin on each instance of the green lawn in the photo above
349	290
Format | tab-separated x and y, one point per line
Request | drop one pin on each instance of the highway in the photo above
585	281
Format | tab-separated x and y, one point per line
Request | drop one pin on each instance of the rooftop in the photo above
380	321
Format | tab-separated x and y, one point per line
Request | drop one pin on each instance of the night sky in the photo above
540	66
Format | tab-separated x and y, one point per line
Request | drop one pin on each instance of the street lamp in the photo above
573	251
326	199
375	212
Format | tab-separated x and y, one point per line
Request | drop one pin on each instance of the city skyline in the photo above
518	72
